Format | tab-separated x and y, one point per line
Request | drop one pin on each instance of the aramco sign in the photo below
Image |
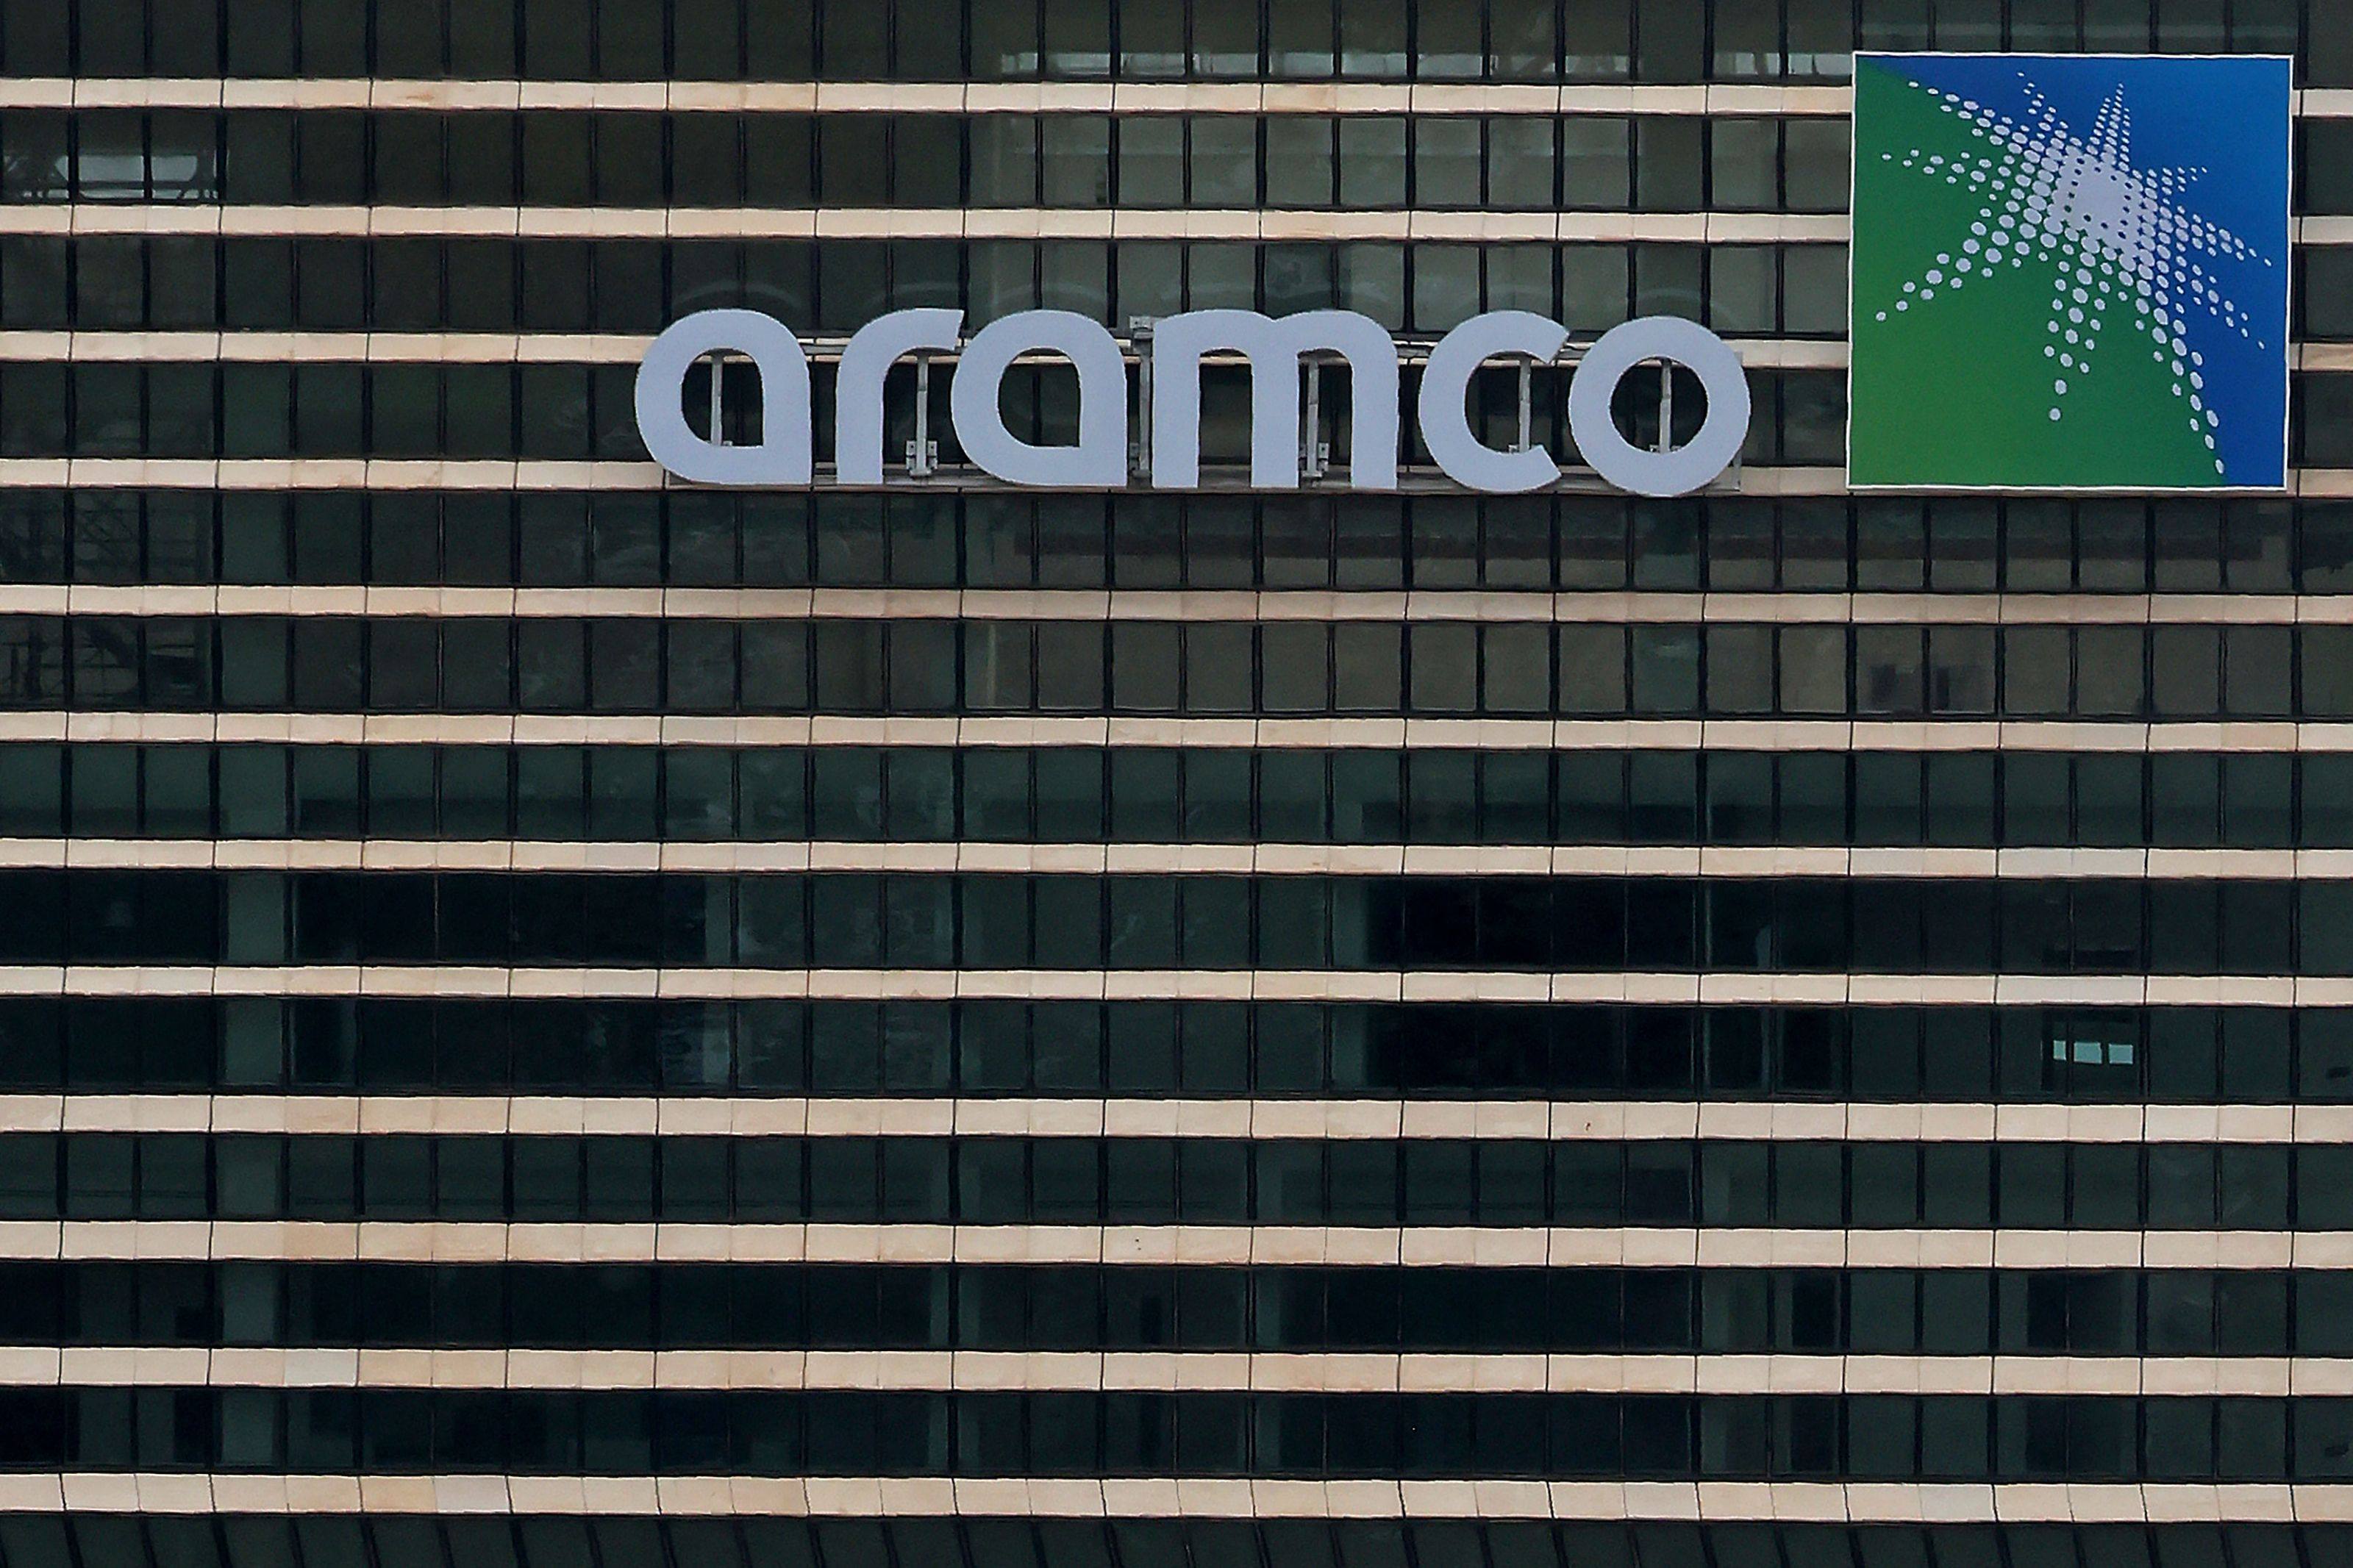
1274	350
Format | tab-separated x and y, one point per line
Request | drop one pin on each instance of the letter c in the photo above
1446	386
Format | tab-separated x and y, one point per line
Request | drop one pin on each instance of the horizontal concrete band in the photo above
1532	1246
1220	859
718	983
246	347
1235	97
290	473
1905	735
1247	223
1278	605
558	474
1175	1372
1891	1502
1242	96
1558	1121
1274	225
955	96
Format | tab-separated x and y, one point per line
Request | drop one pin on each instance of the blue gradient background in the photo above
2228	115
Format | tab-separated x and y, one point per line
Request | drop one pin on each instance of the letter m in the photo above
1274	350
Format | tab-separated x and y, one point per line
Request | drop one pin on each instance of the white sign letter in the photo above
866	360
1678	341
1446	390
1100	459
781	455
1275	349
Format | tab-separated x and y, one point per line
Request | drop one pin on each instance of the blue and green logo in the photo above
2070	272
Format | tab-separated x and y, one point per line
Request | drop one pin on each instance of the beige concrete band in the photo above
1905	735
1887	1502
717	983
1239	97
1164	1372
1272	606
948	858
1534	1246
1563	1121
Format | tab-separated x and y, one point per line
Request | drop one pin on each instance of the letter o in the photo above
1720	434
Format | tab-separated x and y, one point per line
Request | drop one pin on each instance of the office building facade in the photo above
563	1018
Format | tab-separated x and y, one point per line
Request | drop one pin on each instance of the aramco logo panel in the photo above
2070	272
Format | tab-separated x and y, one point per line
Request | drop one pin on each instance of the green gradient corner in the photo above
1956	393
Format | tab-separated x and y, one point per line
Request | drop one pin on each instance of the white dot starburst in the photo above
2114	237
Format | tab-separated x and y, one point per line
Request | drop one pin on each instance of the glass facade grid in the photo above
563	538
554	664
553	1538
1134	1309
1000	1048
619	1179
1207	40
486	283
614	1024
1163	794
